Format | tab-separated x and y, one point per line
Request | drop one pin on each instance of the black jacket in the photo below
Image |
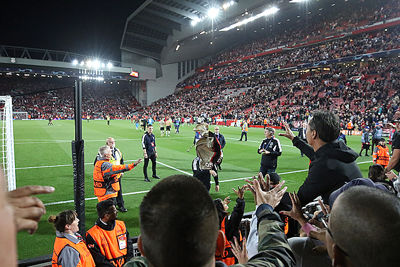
221	140
331	166
274	147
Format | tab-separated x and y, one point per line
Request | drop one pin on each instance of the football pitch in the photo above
43	157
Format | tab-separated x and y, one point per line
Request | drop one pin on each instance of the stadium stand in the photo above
34	95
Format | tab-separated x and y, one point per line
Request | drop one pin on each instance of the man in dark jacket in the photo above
222	142
332	162
270	149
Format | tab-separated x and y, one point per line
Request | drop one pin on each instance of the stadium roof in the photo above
157	24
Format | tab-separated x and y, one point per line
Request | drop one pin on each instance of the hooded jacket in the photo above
332	165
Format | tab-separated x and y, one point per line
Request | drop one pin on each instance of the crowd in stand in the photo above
333	23
98	100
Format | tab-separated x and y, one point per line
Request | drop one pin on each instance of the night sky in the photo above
91	28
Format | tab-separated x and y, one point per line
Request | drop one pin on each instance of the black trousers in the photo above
153	165
119	199
243	134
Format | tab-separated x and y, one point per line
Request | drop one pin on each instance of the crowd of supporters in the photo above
35	96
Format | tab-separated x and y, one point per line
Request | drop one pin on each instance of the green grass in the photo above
37	144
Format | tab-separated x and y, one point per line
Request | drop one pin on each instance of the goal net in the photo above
7	141
20	115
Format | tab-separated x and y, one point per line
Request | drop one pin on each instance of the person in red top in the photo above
69	247
106	175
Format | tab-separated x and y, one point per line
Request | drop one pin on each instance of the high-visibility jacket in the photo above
85	257
105	189
349	126
381	155
113	244
228	258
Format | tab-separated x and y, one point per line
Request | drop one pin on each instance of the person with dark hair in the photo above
149	153
69	247
108	240
377	174
332	162
271	149
229	225
394	162
222	142
179	227
205	175
376	216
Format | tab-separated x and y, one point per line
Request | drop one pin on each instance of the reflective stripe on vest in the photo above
228	258
113	244
100	186
84	254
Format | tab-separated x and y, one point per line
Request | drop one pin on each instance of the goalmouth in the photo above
7	141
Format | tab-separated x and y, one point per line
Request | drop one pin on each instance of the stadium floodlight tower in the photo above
89	70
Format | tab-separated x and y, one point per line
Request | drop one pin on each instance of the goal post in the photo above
7	141
20	115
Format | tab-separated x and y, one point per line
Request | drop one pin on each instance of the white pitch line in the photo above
185	172
258	142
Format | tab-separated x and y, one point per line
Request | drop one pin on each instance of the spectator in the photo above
333	163
230	225
169	246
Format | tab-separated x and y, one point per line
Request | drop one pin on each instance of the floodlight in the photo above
195	21
103	65
96	64
82	63
177	47
213	12
75	62
271	11
89	63
109	65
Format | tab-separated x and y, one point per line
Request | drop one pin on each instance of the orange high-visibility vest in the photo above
113	244
381	156
228	258
86	259
104	190
349	125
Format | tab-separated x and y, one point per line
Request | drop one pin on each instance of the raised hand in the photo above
295	212
288	133
239	192
240	252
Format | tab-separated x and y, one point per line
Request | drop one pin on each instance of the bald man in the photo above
364	228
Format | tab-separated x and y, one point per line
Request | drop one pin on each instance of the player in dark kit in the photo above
149	152
270	149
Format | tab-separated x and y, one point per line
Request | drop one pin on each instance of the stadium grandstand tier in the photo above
34	95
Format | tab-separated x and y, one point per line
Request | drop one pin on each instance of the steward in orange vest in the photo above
106	175
230	227
107	240
381	154
66	246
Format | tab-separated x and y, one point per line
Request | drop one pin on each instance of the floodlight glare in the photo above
89	63
271	11
82	63
297	1
109	65
213	12
195	21
96	64
75	62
